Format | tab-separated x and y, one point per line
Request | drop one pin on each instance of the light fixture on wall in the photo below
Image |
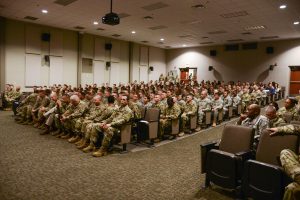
271	67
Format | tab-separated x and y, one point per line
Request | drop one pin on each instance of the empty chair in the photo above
263	178
223	166
148	128
193	122
208	117
125	135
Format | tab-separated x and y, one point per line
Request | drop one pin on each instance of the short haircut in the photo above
110	99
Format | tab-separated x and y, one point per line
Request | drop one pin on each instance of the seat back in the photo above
269	147
175	126
125	133
239	109
207	117
220	115
236	139
230	111
193	122
143	111
152	115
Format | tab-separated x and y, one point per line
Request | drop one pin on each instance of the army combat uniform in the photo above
204	105
168	115
189	110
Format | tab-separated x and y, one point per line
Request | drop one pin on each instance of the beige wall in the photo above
16	49
244	65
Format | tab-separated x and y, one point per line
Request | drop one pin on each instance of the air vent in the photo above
232	47
144	41
157	27
235	40
216	32
100	29
235	14
198	6
206	42
204	37
160	43
250	28
123	15
116	35
246	33
249	46
155	6
185	36
64	2
79	27
31	18
269	37
148	18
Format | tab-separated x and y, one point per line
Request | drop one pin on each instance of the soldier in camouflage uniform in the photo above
93	111
288	109
61	107
91	134
236	100
75	110
26	107
172	111
253	119
204	105
274	120
216	106
290	162
113	124
190	109
158	104
42	101
245	98
227	101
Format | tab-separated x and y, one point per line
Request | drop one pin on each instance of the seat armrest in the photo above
204	149
246	155
210	145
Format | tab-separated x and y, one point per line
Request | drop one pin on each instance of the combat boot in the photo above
60	135
36	125
89	148
74	139
67	136
181	134
47	131
101	152
80	141
58	131
83	145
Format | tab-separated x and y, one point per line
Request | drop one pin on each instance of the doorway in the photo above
295	80
187	74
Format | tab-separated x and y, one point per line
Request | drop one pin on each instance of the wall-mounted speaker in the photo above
108	46
271	67
213	52
46	37
210	68
151	68
47	58
107	64
270	50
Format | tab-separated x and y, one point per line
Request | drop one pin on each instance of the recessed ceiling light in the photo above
162	39
45	11
95	23
184	45
133	32
282	6
296	23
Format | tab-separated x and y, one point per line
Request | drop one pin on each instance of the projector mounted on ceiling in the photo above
111	18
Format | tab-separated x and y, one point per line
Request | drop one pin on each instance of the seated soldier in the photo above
274	119
113	124
236	100
41	102
189	110
204	105
227	101
290	162
26	107
61	107
289	108
172	111
216	106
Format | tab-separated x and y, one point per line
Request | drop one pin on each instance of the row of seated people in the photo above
254	166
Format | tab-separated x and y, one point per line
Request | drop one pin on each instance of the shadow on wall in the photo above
218	75
263	76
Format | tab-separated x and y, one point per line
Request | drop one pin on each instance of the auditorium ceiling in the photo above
167	23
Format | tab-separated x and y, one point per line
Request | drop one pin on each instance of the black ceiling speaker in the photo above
111	18
270	50
213	52
271	67
108	46
45	37
47	58
107	64
210	68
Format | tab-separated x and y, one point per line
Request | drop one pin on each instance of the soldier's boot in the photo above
67	136
181	134
26	122
37	124
80	141
83	145
74	139
101	152
42	126
54	133
214	124
30	122
47	131
198	128
89	148
61	134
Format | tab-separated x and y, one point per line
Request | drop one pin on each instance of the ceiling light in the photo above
95	23
162	39
184	45
133	32
45	11
282	6
296	23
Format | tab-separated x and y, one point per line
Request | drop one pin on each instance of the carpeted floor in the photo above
44	167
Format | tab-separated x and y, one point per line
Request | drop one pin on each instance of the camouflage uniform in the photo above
58	113
283	111
216	105
227	101
235	101
47	108
27	105
290	161
72	114
259	124
135	107
278	121
168	114
189	110
245	99
204	105
116	120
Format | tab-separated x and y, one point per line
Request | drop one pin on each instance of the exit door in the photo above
295	80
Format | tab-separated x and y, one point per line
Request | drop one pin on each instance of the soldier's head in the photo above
163	95
97	100
135	97
253	111
110	99
189	98
170	101
124	100
203	94
75	100
271	112
53	96
169	93
225	93
156	98
290	103
275	104
18	88
146	99
216	96
42	93
65	98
